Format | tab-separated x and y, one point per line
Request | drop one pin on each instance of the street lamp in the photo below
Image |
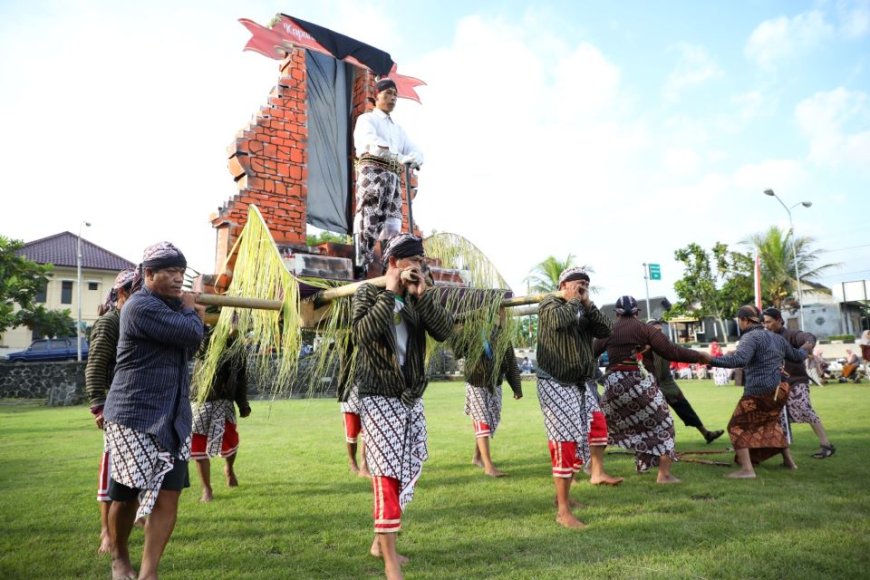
797	271
79	287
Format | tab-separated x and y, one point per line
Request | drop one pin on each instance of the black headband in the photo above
403	246
384	84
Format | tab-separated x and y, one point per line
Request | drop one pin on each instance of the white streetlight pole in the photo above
79	288
797	271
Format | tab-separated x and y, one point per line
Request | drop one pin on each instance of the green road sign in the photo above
655	271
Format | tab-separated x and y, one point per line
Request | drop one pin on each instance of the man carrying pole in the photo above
576	427
389	330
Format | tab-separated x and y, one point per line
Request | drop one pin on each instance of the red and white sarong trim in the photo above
484	408
209	419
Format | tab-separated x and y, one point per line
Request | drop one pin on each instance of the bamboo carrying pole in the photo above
330	294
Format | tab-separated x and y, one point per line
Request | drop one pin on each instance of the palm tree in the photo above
778	278
544	277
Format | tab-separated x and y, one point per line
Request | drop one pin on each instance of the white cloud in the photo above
694	68
783	38
837	124
853	18
681	161
777	174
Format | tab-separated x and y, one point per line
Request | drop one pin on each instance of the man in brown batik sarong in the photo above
756	429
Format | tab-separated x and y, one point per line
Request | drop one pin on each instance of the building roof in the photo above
60	250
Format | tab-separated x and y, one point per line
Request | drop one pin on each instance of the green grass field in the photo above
300	514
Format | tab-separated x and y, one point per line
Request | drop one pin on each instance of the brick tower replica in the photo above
270	158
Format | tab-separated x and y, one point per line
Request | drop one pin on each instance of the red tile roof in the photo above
60	250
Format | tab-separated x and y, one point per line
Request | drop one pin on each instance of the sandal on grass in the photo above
825	451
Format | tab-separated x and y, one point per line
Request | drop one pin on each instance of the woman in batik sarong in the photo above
757	427
637	414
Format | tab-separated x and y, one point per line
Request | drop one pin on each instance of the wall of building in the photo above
21	337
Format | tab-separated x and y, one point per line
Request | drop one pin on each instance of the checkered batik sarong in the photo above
799	408
378	197
395	441
210	419
352	405
568	413
638	417
759	424
139	462
484	407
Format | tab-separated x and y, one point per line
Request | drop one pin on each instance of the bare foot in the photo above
568	520
105	543
353	467
667	479
232	480
605	479
123	570
741	474
375	551
206	495
363	472
789	465
476	460
494	472
572	503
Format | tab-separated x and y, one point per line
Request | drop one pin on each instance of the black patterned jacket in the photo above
565	332
377	370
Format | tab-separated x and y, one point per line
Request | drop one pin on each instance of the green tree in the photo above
544	277
714	283
325	236
20	281
777	250
50	323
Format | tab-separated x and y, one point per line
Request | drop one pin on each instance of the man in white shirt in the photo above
382	149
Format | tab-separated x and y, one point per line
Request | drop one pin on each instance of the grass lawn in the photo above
300	514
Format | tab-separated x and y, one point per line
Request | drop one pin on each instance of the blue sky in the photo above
617	132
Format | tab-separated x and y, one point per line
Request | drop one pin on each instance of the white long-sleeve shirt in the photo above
377	129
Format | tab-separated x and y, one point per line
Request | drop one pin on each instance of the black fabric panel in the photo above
342	46
329	86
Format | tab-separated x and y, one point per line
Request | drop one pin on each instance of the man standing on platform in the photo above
383	150
576	427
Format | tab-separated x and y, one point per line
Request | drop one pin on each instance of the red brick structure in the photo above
268	160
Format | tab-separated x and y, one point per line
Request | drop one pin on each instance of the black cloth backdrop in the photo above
342	46
330	82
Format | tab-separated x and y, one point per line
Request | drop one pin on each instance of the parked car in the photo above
50	349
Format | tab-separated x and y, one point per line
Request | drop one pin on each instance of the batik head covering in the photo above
773	313
124	279
574	273
384	84
749	312
403	246
626	306
163	255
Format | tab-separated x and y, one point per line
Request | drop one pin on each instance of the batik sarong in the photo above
378	198
105	475
352	410
757	424
139	462
484	408
210	419
721	377
570	416
395	442
799	408
638	417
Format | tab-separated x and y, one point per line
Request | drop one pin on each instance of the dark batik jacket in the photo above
230	382
101	358
565	332
797	371
377	370
151	388
631	336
